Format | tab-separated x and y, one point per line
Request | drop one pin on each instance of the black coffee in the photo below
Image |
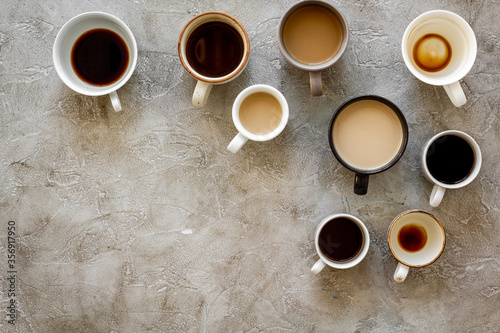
99	57
340	239
214	49
412	237
450	159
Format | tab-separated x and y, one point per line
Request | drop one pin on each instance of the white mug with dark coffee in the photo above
95	54
214	48
451	159
416	239
367	135
342	241
439	48
260	113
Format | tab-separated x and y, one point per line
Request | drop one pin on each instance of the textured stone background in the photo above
143	221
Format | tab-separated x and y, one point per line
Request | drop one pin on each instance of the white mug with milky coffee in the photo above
416	239
439	48
260	113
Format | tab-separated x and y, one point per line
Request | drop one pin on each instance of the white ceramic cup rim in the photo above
255	89
477	159
353	261
468	34
213	17
395	242
84	87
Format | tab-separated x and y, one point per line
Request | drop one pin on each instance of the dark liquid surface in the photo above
214	49
450	159
412	238
340	239
100	57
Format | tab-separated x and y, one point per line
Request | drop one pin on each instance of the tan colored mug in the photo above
312	36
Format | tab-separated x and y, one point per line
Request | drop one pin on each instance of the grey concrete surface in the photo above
143	221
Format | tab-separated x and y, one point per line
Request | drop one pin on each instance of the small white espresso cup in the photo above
440	186
63	46
245	134
328	236
205	83
463	44
406	230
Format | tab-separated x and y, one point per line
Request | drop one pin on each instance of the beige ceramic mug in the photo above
312	36
214	48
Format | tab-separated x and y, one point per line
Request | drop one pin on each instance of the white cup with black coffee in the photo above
342	241
451	159
95	54
214	48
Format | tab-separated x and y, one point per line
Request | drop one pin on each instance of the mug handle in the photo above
436	195
455	93
316	83
201	92
318	266
115	101
238	142
360	184
401	272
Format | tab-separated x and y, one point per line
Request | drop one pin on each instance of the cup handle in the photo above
201	92
316	83
318	266
455	93
401	272
361	184
115	101
238	142
436	195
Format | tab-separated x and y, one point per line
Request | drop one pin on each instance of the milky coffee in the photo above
367	134
312	35
260	113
